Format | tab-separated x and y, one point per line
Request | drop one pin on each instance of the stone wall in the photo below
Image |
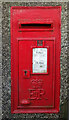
0	60
6	65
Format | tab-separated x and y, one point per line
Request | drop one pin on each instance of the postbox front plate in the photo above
35	59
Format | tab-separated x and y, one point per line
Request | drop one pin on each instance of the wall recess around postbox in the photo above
35	27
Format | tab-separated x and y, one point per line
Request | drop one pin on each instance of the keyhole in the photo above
25	72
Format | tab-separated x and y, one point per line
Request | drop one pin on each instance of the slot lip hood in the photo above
35	26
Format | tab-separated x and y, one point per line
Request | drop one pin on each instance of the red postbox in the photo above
35	59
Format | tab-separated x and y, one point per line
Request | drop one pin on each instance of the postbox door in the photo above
36	73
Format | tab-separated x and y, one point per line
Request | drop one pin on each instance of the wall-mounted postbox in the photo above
35	59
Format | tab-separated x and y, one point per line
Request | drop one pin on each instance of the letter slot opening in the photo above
35	27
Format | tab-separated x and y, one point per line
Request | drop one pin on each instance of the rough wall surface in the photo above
0	60
6	65
35	0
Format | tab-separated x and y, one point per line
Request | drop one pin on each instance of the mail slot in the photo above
35	27
35	59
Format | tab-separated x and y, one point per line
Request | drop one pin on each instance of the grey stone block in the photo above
0	61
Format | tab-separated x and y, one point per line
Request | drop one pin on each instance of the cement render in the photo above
35	1
68	39
0	61
6	53
68	56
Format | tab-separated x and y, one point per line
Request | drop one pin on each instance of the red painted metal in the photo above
35	27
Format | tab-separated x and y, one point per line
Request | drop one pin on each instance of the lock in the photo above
26	73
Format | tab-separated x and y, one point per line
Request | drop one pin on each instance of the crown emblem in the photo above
37	83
